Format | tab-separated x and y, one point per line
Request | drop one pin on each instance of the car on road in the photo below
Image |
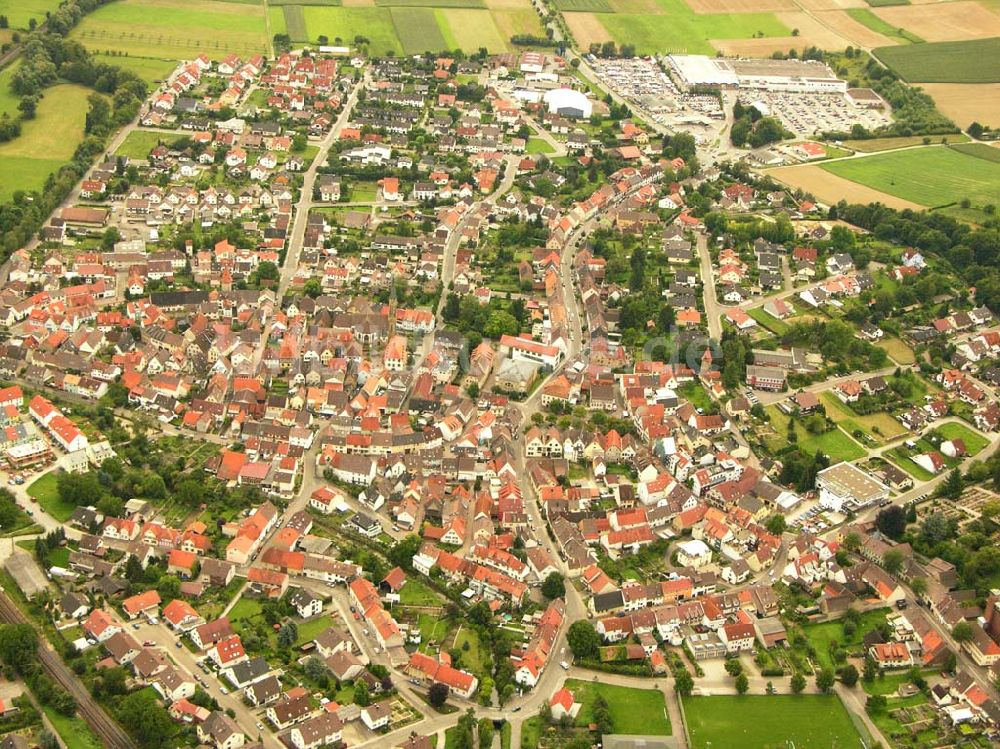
260	726
223	690
148	643
135	625
177	644
564	665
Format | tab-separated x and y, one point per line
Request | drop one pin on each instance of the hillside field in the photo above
46	142
975	61
929	176
174	29
20	12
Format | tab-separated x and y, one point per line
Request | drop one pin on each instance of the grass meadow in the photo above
56	131
756	721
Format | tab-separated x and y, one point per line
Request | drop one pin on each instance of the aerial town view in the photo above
499	374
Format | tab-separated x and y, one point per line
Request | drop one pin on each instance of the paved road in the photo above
306	201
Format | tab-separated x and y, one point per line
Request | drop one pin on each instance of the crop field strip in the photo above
418	29
932	176
295	23
880	26
974	61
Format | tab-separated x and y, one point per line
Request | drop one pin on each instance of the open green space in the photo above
151	70
927	176
898	351
20	12
174	29
74	732
45	490
973	61
539	145
886	3
866	18
633	711
677	28
756	722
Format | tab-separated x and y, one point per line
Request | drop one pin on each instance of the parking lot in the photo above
809	114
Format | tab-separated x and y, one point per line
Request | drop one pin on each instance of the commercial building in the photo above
797	76
846	487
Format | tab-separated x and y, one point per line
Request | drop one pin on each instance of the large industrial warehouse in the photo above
802	76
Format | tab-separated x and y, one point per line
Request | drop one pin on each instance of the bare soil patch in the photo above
857	32
740	6
587	29
945	22
966	103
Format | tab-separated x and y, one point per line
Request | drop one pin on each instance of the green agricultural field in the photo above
633	711
346	23
886	3
470	29
151	70
757	722
417	29
20	12
174	29
295	23
898	351
871	145
979	150
975	61
679	29
46	142
927	176
873	22
434	3
584	6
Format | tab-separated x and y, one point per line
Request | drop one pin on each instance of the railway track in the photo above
111	734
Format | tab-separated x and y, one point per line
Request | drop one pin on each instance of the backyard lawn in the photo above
954	431
633	711
417	593
45	490
881	427
823	634
310	630
834	443
757	722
